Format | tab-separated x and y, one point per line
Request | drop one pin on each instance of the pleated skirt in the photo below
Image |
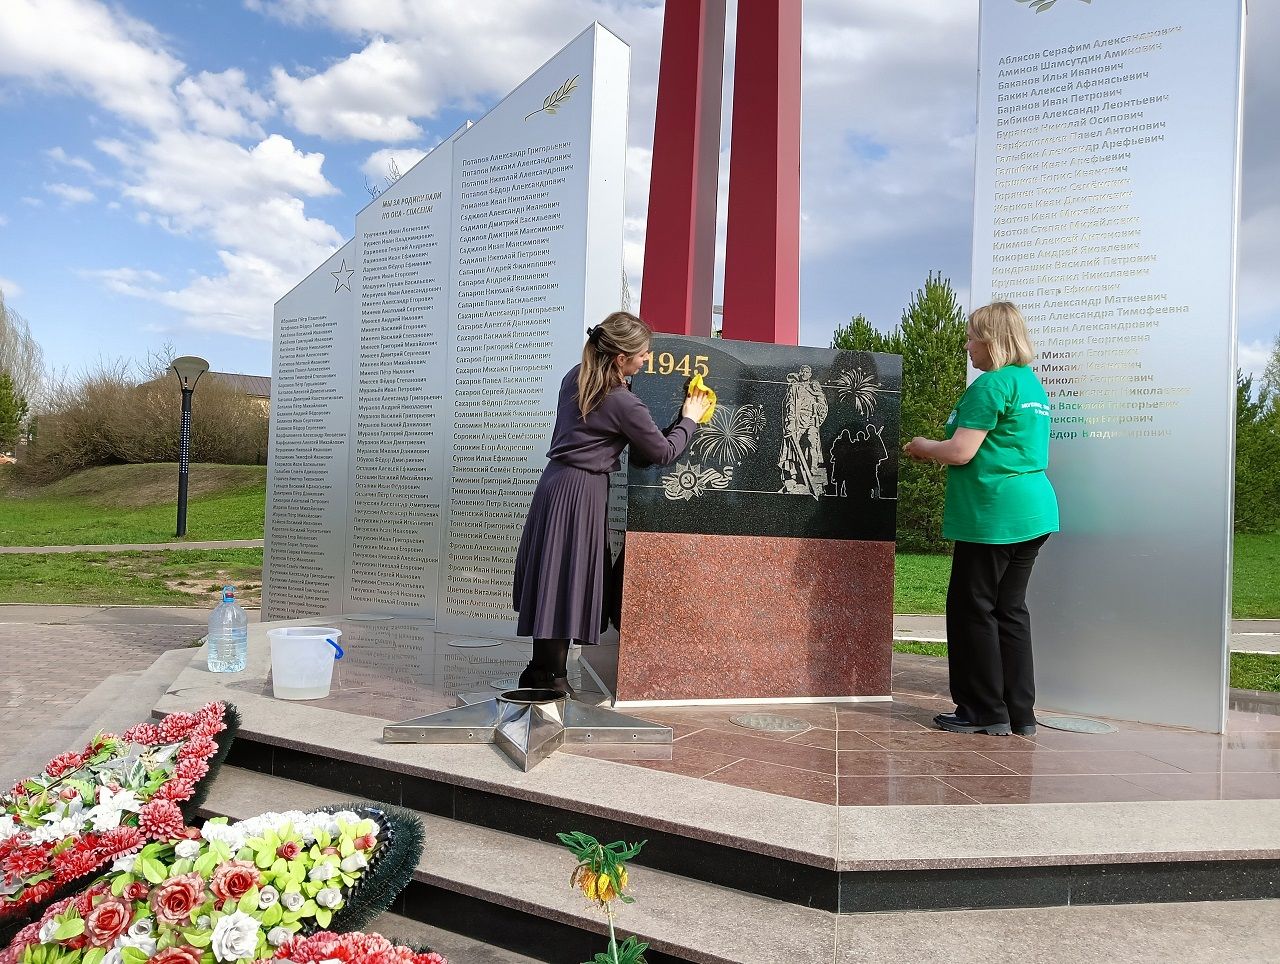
559	588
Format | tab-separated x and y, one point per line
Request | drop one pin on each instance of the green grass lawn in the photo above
1249	671
133	504
178	577
921	582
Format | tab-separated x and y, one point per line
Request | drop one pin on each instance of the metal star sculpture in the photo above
528	725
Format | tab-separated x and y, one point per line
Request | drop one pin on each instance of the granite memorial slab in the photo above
759	566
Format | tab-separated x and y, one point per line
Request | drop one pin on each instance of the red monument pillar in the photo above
762	247
680	242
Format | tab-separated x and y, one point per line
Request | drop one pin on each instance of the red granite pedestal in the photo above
751	618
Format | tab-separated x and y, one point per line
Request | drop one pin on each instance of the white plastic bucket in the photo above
302	661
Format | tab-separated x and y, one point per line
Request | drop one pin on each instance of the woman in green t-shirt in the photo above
1000	509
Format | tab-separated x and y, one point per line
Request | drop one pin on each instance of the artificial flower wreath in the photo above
231	892
88	808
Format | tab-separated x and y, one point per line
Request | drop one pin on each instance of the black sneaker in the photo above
1027	729
954	724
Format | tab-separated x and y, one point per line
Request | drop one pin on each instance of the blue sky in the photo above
172	168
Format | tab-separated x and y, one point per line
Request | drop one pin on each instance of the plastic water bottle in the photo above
228	635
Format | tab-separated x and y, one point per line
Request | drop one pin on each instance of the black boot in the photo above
534	677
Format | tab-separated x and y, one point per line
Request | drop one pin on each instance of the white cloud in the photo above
3	220
1252	357
223	105
34	202
10	289
70	193
92	49
62	157
380	164
421	58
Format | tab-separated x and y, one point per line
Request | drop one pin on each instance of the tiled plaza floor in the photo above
851	754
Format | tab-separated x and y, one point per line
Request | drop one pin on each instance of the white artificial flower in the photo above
47	929
324	871
142	927
278	935
67	827
203	922
347	816
124	865
292	900
8	829
232	836
104	818
235	936
330	897
355	862
145	944
122	799
113	956
187	849
267	897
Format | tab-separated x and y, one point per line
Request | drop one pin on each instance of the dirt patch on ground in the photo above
206	593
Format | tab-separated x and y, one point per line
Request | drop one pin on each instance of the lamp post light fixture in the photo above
188	368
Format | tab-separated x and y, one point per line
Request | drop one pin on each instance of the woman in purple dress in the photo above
560	565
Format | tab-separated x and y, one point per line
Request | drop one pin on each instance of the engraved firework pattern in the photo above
731	435
860	388
691	480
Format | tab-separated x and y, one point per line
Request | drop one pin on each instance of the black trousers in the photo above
989	632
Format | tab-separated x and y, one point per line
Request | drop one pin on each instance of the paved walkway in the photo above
1247	635
135	547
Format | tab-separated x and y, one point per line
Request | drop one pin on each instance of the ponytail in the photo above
622	333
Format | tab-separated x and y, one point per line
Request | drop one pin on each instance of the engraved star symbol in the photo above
343	276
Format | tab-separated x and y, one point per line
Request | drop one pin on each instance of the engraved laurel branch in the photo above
1040	6
554	100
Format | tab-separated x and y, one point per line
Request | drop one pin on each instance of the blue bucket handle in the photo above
336	647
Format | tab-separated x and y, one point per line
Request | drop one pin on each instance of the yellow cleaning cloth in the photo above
697	383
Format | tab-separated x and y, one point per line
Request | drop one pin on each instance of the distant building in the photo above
257	387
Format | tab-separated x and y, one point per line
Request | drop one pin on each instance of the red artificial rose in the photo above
174	900
367	842
107	921
330	851
289	850
179	954
135	891
68	793
232	880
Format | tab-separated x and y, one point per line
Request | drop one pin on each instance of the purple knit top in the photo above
594	444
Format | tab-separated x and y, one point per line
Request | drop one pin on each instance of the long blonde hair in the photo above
622	333
1001	325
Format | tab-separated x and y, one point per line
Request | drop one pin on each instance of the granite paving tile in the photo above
1209	786
1075	761
784	780
941	740
1228	760
685	761
881	791
818	736
765	751
916	763
1240	721
1081	788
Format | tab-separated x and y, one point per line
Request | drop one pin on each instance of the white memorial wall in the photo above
1106	207
476	275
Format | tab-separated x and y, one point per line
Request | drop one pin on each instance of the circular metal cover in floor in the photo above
367	617
474	643
1075	724
767	721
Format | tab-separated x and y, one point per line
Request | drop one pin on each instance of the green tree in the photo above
13	410
1257	494
930	339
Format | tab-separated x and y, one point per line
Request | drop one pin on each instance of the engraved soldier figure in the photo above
800	458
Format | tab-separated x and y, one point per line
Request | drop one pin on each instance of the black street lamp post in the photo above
188	368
